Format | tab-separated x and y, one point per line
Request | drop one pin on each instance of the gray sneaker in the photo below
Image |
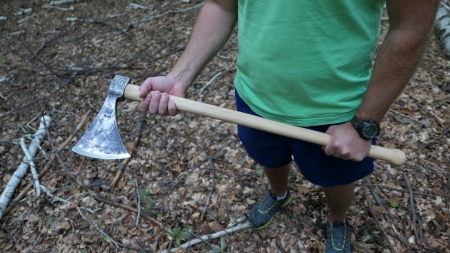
264	211
338	237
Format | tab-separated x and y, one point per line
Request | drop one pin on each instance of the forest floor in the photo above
189	175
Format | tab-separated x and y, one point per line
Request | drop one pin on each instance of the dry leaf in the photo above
216	226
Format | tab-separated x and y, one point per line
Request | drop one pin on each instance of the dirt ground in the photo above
189	175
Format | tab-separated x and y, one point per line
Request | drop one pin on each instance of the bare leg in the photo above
339	198
278	179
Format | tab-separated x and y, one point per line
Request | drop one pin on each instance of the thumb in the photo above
145	87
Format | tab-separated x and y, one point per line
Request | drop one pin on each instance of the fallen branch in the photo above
206	85
152	220
20	172
168	12
210	237
375	218
208	201
52	158
413	211
386	216
30	156
437	118
117	244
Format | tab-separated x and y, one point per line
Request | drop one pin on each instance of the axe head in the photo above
102	139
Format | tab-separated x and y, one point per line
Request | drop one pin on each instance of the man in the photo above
307	63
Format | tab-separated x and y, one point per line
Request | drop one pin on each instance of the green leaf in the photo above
2	59
150	204
144	193
83	251
259	170
56	87
176	232
185	236
393	204
159	216
119	112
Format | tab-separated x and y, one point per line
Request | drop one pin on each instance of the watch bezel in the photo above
366	129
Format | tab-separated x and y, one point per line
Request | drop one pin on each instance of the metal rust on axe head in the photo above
102	140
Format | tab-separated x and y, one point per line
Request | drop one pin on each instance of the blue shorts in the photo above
273	151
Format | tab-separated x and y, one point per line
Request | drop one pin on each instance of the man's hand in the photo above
346	143
159	102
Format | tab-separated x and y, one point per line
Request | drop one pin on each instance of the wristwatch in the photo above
366	129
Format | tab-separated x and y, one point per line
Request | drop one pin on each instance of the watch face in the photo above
370	130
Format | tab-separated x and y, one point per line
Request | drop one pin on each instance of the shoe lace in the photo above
270	203
339	235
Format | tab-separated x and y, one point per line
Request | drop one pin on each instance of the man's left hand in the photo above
346	143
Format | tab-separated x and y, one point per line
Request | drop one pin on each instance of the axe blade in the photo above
102	139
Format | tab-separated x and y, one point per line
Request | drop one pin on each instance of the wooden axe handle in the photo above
393	156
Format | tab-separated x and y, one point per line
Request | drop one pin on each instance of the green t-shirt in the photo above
306	62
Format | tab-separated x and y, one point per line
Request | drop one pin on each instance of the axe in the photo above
102	139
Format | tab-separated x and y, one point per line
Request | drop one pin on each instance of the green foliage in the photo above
180	235
145	198
393	204
144	194
2	59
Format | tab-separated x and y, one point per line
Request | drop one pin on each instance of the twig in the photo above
152	220
206	85
168	12
39	99
237	221
405	191
208	201
25	19
44	189
138	6
117	244
47	6
386	216
45	43
32	166
439	120
424	169
376	218
52	158
192	169
407	117
413	210
138	203
210	237
21	171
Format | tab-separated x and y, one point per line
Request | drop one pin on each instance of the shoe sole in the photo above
271	219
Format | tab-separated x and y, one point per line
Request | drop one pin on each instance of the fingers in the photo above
145	88
345	144
143	106
159	103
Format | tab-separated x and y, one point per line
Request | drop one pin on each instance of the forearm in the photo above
212	29
395	64
398	57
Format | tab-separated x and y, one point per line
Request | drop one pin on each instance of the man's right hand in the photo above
159	102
